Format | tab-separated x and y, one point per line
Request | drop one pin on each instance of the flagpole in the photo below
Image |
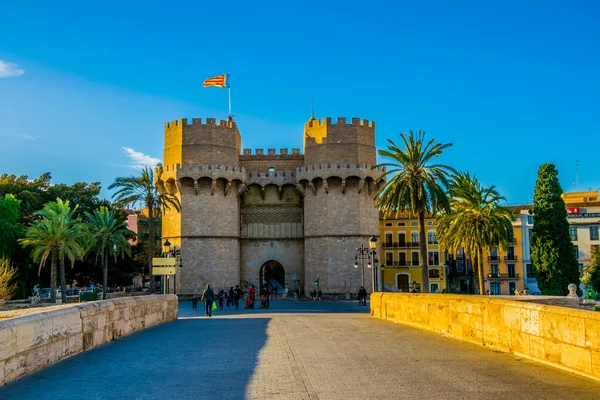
229	96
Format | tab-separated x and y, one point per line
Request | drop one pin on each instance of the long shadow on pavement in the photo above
187	358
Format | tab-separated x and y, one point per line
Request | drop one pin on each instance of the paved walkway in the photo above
295	350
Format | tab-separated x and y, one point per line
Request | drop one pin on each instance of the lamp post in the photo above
373	260
382	267
362	253
171	252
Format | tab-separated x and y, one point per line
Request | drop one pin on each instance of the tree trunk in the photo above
105	275
151	247
63	283
480	256
423	245
53	277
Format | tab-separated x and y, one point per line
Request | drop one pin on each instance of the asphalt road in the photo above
295	350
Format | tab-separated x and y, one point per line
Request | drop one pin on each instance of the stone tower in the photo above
277	218
339	213
201	167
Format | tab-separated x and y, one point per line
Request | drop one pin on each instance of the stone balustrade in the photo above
34	341
559	336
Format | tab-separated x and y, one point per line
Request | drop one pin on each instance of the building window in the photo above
529	233
530	271
389	258
494	270
434	273
512	272
388	239
401	239
573	233
510	254
530	219
593	232
432	238
512	286
429	223
435	288
461	253
415	258
401	223
414	237
576	251
414	223
495	288
388	224
460	266
433	258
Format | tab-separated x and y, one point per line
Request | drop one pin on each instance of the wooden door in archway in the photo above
402	283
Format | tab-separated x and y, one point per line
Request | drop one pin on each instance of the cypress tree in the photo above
552	253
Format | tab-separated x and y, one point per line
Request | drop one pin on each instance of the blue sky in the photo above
511	84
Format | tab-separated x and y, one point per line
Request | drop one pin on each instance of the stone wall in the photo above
558	336
34	341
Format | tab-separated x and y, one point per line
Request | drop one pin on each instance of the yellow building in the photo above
399	249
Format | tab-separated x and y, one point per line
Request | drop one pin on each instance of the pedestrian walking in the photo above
252	294
320	295
194	302
237	294
208	296
362	296
221	296
230	296
266	294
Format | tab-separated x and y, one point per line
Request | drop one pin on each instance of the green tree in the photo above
10	230
141	189
110	236
58	236
552	254
475	223
416	185
590	274
8	274
75	238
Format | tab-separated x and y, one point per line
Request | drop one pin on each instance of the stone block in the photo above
552	351
32	330
2	365
595	363
36	358
559	326
66	322
15	367
8	340
592	333
530	322
75	344
536	347
576	357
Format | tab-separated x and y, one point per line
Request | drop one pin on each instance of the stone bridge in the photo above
295	350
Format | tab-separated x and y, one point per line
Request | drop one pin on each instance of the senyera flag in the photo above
218	81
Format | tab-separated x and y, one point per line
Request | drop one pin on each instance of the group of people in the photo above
316	295
228	299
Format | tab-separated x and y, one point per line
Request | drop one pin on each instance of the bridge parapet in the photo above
557	336
34	341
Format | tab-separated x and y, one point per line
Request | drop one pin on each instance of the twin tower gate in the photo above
277	217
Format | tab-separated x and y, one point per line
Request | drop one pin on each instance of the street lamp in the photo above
382	267
373	246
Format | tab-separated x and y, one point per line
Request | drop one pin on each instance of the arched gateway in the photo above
272	275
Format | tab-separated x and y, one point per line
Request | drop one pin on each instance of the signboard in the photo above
164	261
572	210
163	270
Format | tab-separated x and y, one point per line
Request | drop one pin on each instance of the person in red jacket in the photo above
252	294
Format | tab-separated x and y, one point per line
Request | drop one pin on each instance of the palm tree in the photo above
109	238
416	186
56	236
141	189
75	237
476	222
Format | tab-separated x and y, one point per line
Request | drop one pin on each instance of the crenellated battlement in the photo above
330	166
271	152
203	167
340	121
198	121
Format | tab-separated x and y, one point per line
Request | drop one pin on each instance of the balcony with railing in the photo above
401	264
497	275
494	258
401	245
510	257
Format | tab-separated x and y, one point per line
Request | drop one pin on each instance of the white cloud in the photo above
8	69
26	137
139	160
